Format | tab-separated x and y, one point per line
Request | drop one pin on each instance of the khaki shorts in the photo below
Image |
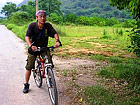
31	60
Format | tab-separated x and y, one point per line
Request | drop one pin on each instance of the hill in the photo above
24	2
99	8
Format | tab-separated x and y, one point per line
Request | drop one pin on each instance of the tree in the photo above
70	18
20	18
50	6
30	9
23	8
9	8
55	18
133	7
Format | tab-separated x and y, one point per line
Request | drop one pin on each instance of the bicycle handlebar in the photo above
44	48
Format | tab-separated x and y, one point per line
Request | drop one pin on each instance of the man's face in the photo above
41	19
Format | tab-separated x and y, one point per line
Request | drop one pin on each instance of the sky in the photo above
3	2
14	1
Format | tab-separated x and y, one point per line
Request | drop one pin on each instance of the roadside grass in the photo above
98	95
102	44
124	69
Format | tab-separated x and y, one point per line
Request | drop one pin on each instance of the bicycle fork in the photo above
48	78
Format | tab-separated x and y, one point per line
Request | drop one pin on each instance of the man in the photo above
38	33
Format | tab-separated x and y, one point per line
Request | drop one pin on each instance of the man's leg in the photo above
27	76
49	57
30	64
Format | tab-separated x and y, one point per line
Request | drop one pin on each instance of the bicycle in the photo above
43	69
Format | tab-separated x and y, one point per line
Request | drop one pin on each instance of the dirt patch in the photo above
73	74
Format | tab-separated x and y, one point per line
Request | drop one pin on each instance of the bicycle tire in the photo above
52	89
37	74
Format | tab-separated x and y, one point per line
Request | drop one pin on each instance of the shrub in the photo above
129	23
82	20
135	40
55	18
19	18
70	18
111	22
11	26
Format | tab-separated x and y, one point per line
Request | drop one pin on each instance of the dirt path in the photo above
73	73
68	72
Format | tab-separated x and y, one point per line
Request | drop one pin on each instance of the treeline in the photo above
91	21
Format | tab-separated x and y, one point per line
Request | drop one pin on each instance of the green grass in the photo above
98	95
124	69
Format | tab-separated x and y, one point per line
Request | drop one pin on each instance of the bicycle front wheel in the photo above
52	87
37	74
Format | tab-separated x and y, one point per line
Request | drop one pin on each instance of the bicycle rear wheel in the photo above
37	74
52	87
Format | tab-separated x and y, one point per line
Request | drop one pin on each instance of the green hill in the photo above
99	8
24	2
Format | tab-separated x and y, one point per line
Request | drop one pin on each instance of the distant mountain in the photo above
24	2
99	8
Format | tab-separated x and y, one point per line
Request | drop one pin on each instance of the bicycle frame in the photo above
43	65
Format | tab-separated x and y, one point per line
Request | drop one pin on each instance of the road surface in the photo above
12	70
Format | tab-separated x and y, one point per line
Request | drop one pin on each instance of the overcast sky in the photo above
14	1
3	2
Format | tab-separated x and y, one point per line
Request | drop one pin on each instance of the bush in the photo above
70	18
129	23
111	22
10	26
0	20
83	20
135	40
55	18
19	18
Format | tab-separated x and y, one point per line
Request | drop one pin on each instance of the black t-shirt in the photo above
40	36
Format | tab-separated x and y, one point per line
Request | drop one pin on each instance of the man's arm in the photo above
57	40
27	38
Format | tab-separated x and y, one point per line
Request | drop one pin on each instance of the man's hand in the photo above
34	48
57	44
27	38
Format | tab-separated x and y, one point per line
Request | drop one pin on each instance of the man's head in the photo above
40	12
41	16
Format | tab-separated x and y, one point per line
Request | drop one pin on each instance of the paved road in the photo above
12	63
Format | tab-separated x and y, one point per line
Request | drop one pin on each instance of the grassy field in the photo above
108	44
96	40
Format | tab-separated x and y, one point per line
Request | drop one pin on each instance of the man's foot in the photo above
26	88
